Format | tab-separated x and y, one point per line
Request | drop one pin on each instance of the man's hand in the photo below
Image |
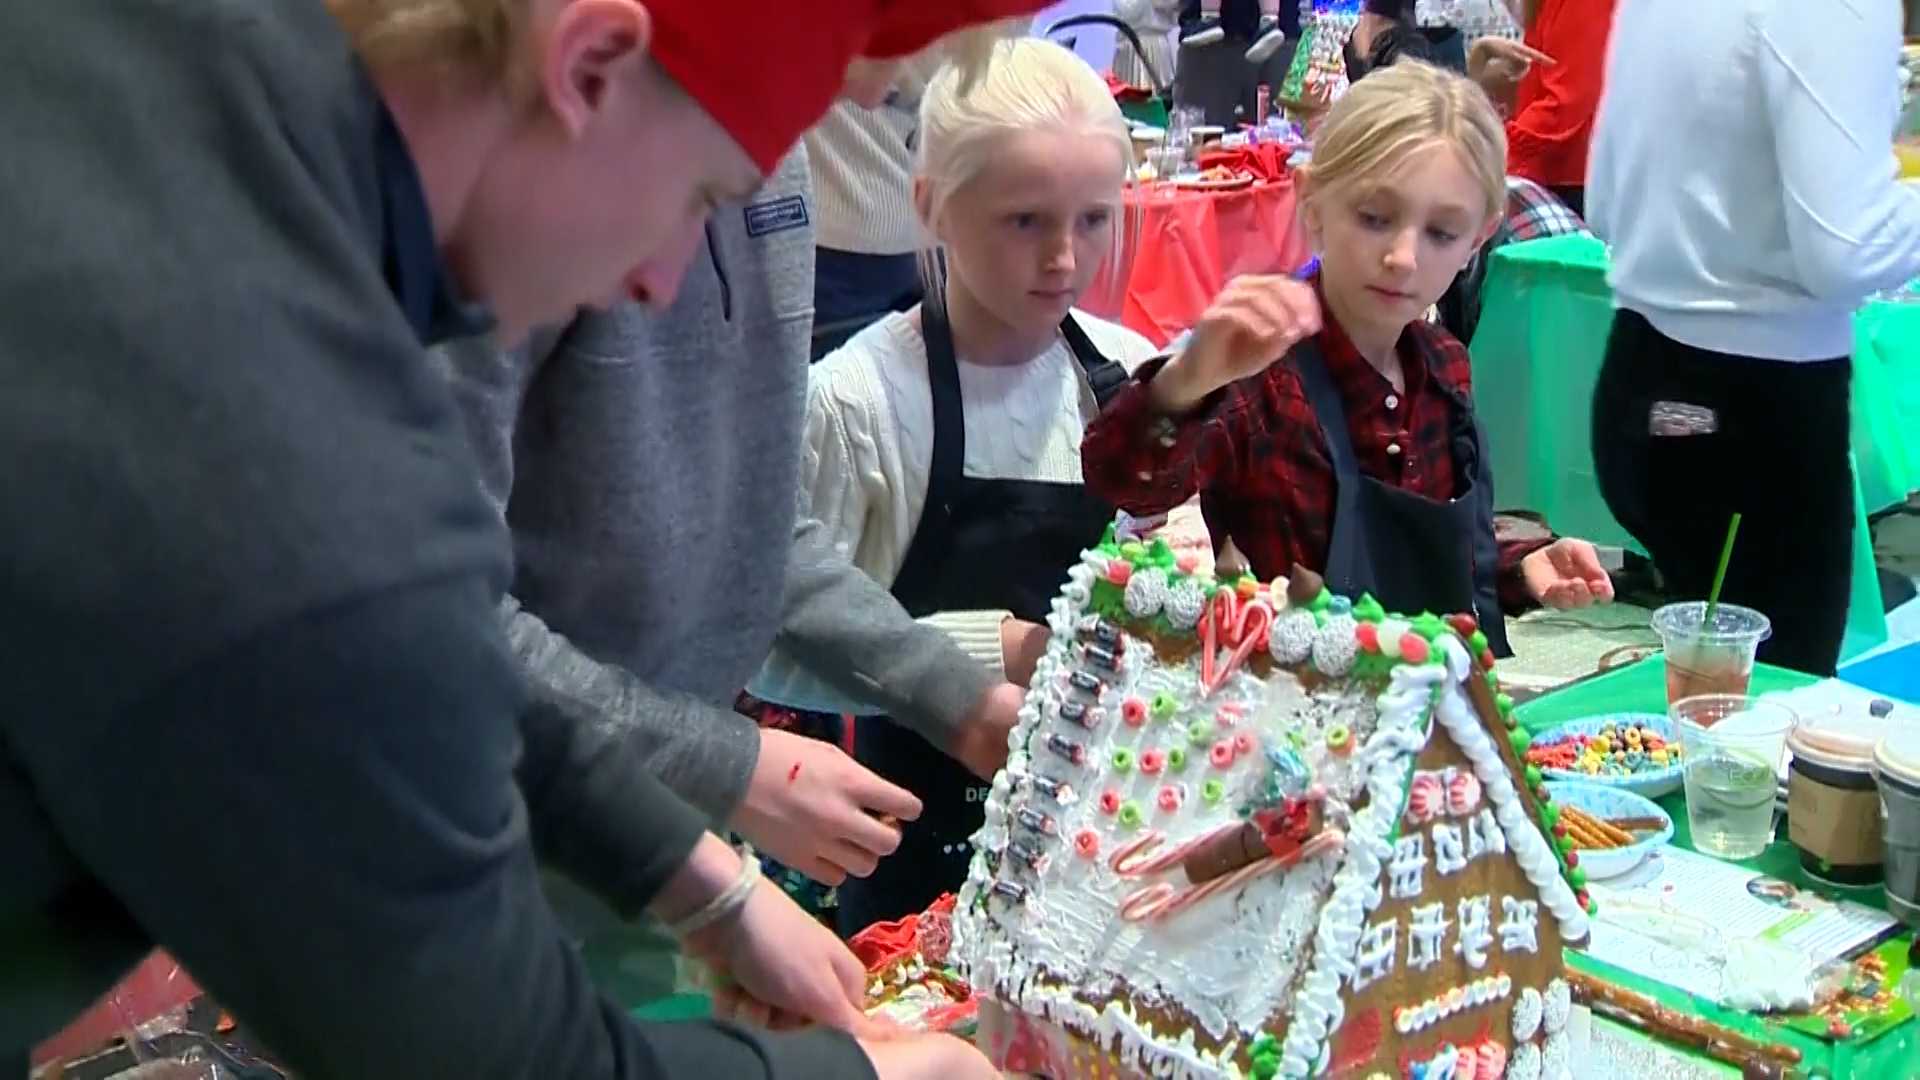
927	1057
1566	574
1022	644
1255	320
982	743
818	811
1498	65
779	968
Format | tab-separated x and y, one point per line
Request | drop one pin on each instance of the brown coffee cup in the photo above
1833	805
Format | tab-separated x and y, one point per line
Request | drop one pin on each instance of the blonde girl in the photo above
1326	423
943	444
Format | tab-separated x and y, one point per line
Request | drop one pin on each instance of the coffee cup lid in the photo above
1839	740
1898	755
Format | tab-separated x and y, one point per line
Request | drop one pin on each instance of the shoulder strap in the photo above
949	419
1317	383
1104	375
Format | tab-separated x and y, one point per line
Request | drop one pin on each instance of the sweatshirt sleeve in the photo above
705	754
358	761
1833	100
849	631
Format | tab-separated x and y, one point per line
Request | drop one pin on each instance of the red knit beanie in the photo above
766	70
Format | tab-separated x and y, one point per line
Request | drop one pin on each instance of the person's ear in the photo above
923	207
1312	215
1487	230
591	48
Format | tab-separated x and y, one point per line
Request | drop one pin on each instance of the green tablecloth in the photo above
1543	331
1642	687
1542	334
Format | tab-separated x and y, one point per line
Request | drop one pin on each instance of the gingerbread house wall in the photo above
1369	1039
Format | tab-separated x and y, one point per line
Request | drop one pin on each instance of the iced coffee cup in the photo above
1715	657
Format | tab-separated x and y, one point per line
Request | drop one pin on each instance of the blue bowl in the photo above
1601	801
1652	783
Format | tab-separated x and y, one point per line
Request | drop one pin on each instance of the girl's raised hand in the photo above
1255	320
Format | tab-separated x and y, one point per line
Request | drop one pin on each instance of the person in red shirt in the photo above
1551	121
1357	455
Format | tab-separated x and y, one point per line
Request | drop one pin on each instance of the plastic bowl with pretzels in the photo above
1611	830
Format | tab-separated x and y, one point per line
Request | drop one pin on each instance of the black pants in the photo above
1779	457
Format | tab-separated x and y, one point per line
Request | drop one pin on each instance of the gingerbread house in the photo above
1253	829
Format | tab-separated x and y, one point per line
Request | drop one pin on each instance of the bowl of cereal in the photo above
1637	752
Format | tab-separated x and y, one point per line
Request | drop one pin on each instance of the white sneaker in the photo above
1267	40
1209	32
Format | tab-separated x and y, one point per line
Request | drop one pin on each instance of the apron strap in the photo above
1105	376
1471	457
1348	538
933	536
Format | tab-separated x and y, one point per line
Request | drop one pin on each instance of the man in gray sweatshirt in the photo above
259	709
648	464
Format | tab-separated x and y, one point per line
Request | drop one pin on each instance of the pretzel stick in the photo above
1752	1058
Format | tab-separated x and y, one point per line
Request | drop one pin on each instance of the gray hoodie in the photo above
649	467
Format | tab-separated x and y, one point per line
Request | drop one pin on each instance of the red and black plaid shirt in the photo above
1255	451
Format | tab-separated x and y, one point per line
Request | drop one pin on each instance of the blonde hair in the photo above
1021	84
470	36
1398	111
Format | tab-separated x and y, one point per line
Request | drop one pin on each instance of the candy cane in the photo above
1143	904
1164	901
1123	865
1226	606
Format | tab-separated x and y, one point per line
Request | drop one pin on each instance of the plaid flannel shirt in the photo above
1255	451
1533	212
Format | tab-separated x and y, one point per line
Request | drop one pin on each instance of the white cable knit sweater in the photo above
870	440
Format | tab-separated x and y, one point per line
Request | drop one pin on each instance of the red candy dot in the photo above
1573	859
1221	755
1087	843
1153	761
1169	799
1133	711
1464	625
1119	571
1109	802
1368	635
1486	659
1413	648
1243	742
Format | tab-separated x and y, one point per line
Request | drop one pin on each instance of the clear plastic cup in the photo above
1732	746
1712	658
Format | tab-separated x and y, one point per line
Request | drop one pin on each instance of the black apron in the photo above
1412	553
980	544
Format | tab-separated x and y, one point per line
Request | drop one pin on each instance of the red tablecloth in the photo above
1189	245
155	987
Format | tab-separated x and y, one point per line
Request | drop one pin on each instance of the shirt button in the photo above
1393	448
1393	401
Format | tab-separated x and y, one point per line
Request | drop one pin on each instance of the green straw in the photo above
1720	574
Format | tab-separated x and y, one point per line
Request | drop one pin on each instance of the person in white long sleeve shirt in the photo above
943	444
1742	171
